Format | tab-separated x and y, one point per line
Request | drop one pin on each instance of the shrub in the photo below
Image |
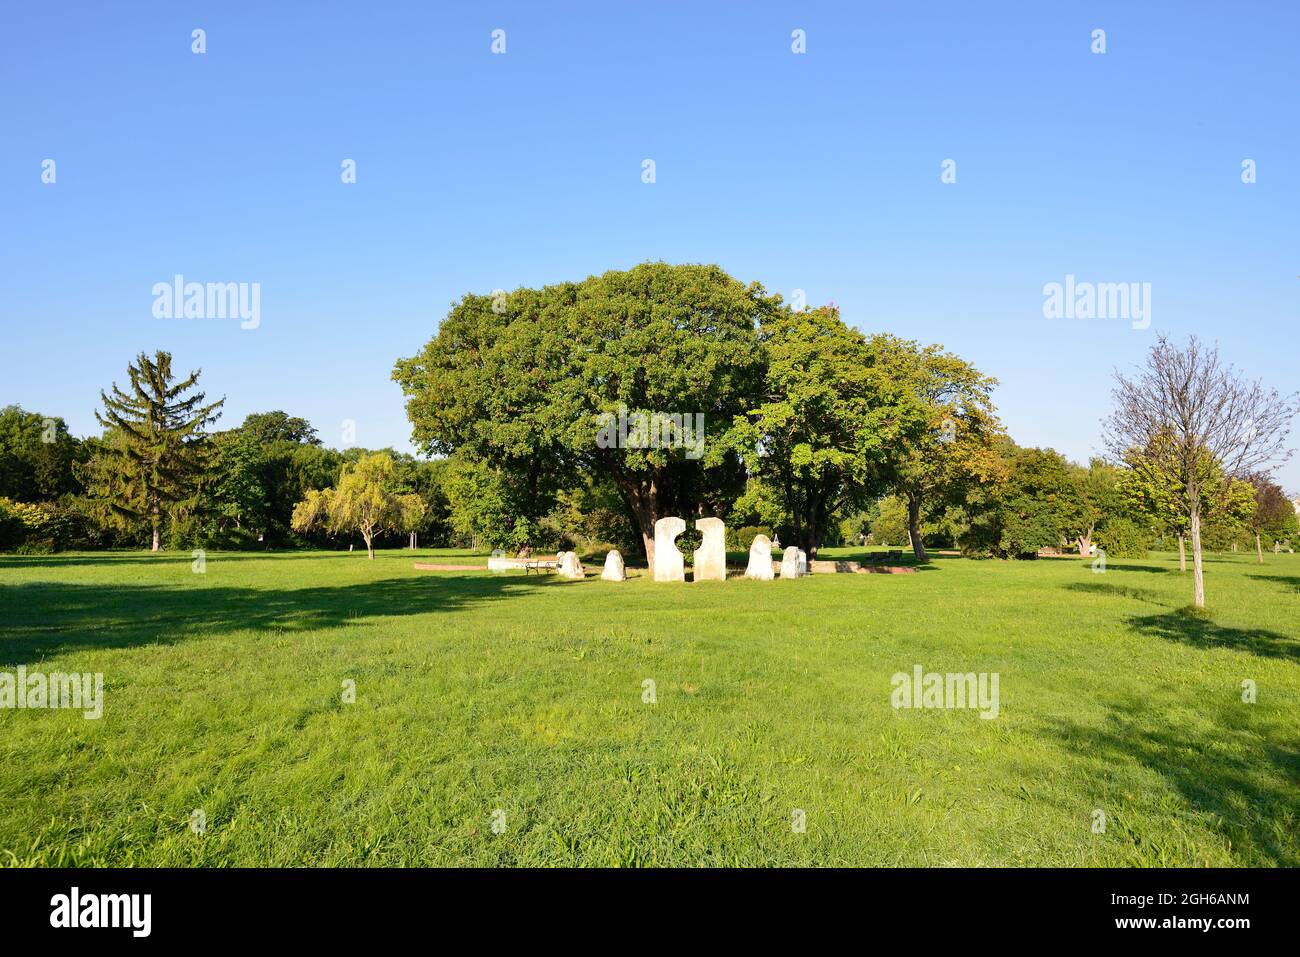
1027	529
1121	538
45	547
890	526
739	539
25	522
12	529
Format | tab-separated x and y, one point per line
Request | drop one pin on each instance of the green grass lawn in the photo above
478	692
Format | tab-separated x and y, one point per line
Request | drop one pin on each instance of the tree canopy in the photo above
529	381
832	413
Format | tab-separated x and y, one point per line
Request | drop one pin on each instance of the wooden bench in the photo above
887	556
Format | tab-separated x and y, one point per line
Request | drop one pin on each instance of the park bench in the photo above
887	556
540	564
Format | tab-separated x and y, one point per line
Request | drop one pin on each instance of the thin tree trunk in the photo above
914	527
1198	566
1182	553
156	545
1259	549
796	520
370	545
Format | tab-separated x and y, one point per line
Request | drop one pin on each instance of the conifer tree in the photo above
158	453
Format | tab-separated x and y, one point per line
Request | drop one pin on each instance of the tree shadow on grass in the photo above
1119	565
1290	581
1123	564
1115	590
1243	787
146	558
42	619
1197	632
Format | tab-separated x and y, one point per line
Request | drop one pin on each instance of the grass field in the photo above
477	693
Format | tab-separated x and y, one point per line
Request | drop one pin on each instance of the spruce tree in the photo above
158	453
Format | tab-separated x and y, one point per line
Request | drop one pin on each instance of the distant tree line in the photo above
160	476
813	431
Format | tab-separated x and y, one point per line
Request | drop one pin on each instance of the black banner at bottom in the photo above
335	906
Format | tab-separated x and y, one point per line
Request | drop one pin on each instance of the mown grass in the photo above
479	692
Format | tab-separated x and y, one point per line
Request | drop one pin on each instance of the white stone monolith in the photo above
614	570
670	566
790	563
760	559
570	567
709	563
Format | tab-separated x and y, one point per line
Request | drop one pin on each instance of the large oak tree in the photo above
524	382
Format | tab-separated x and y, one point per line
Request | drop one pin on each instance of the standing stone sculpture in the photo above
803	563
790	563
614	570
709	563
760	559
670	566
570	567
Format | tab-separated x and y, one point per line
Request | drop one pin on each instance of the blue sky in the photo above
476	171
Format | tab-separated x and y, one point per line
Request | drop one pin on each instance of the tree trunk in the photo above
1198	566
156	514
1259	549
1085	542
914	527
1182	553
642	503
808	542
370	545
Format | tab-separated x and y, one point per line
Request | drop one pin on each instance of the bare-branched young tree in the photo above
1204	420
